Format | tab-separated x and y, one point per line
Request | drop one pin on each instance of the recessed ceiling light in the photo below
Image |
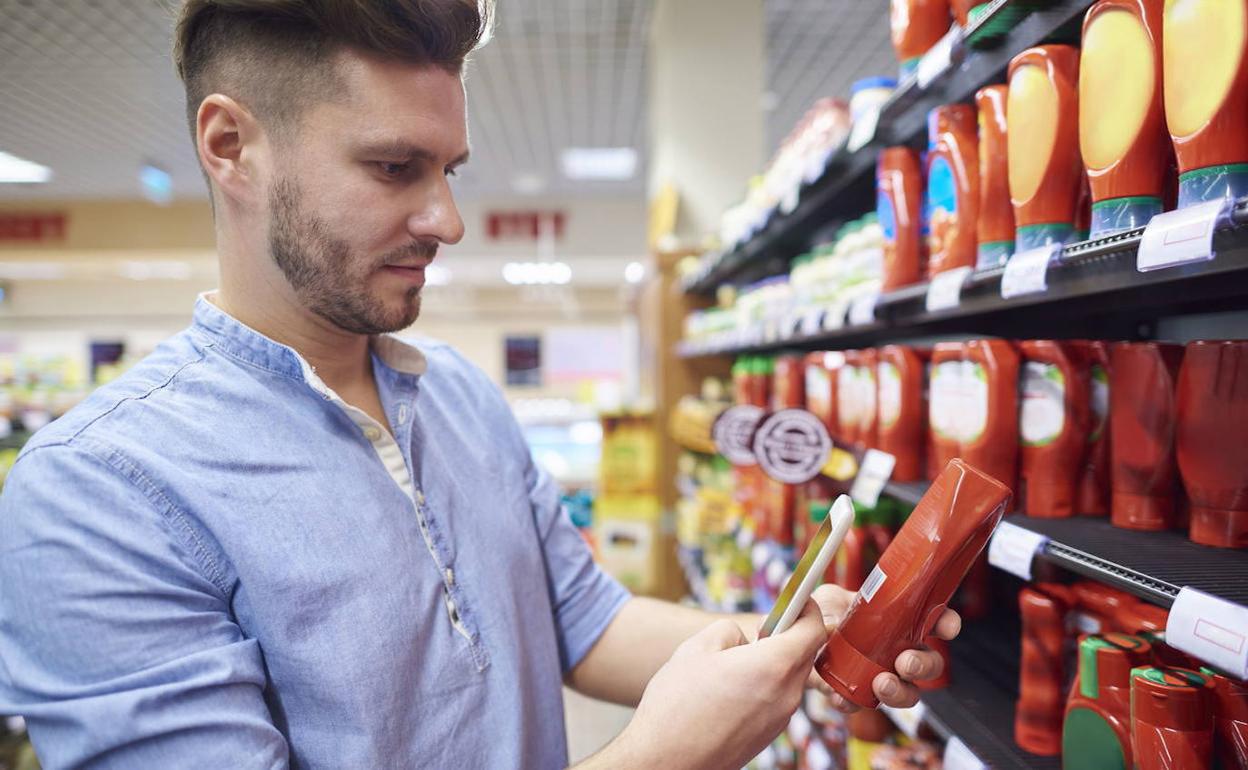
15	170
528	183
537	273
599	163
634	272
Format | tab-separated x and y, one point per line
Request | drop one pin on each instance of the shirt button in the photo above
403	413
450	576
371	433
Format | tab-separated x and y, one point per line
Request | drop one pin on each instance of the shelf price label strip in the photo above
945	290
1181	237
958	756
1027	271
873	474
1212	629
1014	548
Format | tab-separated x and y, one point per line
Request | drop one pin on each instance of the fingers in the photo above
949	625
806	635
915	665
720	635
833	603
892	691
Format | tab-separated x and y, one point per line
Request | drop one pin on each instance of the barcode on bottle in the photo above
872	584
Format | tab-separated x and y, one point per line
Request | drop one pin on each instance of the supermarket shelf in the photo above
908	492
1151	565
846	187
1094	290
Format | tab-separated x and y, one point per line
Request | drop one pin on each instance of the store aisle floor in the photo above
590	723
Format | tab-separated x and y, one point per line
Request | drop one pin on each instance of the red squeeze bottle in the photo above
944	385
1042	668
962	10
1142	423
868	399
899	198
1096	732
821	371
1092	498
1053	427
849	406
1230	719
788	390
952	188
994	227
1213	419
1045	168
908	590
1172	716
916	26
990	442
900	424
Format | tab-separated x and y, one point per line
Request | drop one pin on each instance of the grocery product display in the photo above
1172	718
1074	397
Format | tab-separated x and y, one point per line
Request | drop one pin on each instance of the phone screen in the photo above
789	591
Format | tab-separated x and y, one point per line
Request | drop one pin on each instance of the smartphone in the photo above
809	572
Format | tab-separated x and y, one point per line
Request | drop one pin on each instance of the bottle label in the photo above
817	385
890	394
1100	402
872	584
943	399
888	218
866	397
1043	411
974	412
942	206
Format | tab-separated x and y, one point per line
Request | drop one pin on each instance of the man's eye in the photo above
450	171
393	169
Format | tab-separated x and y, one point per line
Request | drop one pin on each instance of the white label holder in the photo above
1027	271
1212	629
873	474
1013	548
945	290
938	58
863	130
1180	237
958	756
862	309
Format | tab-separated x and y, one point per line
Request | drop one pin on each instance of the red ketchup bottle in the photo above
899	199
1053	427
899	429
944	401
1096	734
1092	498
994	226
1172	719
1042	668
1213	420
990	437
952	188
1230	717
910	587
1142	424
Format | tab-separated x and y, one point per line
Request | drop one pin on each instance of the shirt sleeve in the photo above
116	640
584	597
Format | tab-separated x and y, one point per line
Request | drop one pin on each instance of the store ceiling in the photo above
86	88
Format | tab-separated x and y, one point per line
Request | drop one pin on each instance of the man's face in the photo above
359	199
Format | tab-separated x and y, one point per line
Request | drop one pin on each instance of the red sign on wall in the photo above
28	227
523	225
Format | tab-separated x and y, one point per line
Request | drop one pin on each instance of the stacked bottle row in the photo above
1115	695
1151	111
1142	432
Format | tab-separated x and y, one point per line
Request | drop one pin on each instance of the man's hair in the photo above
276	57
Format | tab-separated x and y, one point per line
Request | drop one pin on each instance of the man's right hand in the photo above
719	700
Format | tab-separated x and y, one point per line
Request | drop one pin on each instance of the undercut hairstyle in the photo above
277	57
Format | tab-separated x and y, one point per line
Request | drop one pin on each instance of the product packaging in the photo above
994	225
1096	732
990	431
910	587
1042	668
944	402
1172	719
952	188
901	418
1230	716
1053	428
1142	416
1092	498
916	26
899	199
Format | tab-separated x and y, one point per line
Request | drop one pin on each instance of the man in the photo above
289	539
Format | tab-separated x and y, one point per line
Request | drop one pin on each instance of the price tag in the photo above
863	131
1027	271
907	720
1179	237
945	290
937	59
834	317
1013	548
862	309
812	321
1212	629
959	757
876	470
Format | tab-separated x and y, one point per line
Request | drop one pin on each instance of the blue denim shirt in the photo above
208	564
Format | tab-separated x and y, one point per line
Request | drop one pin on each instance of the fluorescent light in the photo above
437	275
32	271
537	273
157	185
17	170
155	269
634	272
599	163
528	183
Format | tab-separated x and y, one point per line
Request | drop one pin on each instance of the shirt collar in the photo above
241	341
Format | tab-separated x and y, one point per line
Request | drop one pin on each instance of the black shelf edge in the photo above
1103	269
1151	565
850	176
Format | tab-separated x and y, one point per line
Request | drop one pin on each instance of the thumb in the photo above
804	638
720	635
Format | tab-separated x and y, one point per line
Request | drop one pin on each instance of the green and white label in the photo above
973	409
890	394
1042	414
1100	402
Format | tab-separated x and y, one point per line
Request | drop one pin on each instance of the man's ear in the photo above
231	145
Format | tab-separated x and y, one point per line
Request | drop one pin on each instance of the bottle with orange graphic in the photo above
899	199
1122	133
1053	427
952	188
994	225
1206	96
1045	169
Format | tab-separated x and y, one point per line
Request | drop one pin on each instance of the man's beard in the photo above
326	279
